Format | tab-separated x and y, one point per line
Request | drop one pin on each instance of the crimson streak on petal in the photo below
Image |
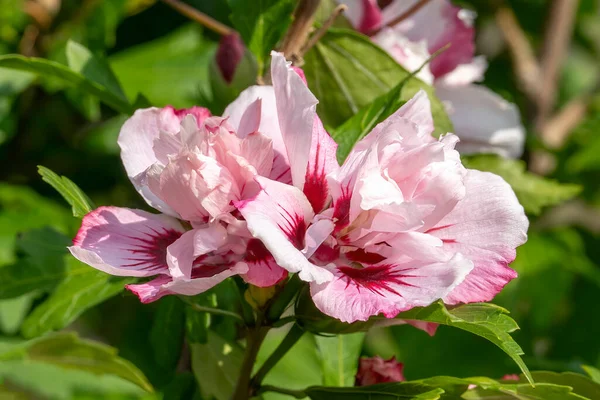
377	279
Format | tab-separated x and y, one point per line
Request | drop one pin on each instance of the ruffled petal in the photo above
146	137
278	216
268	126
126	242
196	186
486	227
263	271
357	294
192	244
164	285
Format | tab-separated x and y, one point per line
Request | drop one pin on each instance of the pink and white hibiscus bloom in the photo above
408	224
484	122
194	167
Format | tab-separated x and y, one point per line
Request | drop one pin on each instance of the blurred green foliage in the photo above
102	59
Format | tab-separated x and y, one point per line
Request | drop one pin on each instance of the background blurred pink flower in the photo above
373	370
484	122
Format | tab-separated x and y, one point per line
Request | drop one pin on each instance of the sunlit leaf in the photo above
339	357
216	365
347	72
57	70
78	200
486	320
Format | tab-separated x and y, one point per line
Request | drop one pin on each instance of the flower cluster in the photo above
483	121
258	193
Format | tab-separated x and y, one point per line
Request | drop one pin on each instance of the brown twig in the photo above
557	128
323	29
412	10
558	34
201	18
525	65
297	34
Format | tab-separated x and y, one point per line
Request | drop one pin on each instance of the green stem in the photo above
290	290
243	390
283	321
299	394
210	310
294	334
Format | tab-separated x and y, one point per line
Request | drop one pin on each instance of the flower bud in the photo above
258	297
373	370
229	54
232	70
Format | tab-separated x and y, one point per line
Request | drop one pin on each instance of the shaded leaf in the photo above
57	70
403	390
486	320
82	288
261	24
43	267
22	209
166	335
347	72
78	200
534	192
66	350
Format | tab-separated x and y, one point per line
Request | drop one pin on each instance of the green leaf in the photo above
359	125
486	320
170	70
43	267
66	350
216	365
543	391
57	70
81	60
581	384
13	312
82	288
384	391
22	209
261	24
339	357
593	372
534	192
347	72
78	200
37	380
166	335
197	323
286	372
